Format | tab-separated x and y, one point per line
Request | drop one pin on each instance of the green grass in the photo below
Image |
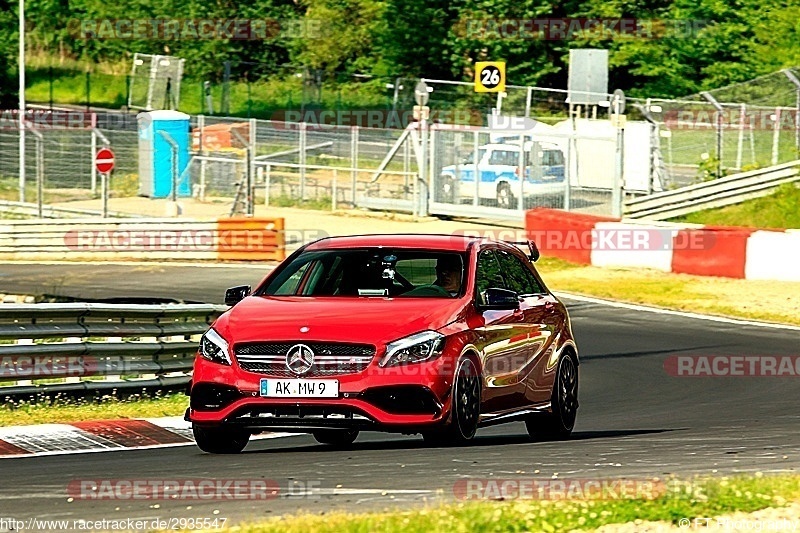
778	210
699	497
323	203
60	410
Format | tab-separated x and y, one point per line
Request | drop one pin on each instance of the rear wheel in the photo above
220	439
336	437
466	408
505	198
559	424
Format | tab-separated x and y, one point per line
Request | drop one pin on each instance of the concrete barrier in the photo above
228	239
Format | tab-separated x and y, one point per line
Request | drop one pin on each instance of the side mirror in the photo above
499	299
534	256
234	295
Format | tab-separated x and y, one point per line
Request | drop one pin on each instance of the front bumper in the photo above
401	399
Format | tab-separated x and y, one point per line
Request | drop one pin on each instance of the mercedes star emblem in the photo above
299	359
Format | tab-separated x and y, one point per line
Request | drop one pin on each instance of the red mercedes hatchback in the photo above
431	334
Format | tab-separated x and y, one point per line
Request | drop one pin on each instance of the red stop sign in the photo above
104	160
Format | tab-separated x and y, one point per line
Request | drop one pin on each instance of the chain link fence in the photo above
327	163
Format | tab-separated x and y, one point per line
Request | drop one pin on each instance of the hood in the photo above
358	320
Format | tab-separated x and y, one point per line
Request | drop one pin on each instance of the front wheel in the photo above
220	439
466	408
558	425
336	437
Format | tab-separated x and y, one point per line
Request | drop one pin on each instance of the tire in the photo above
465	412
447	189
221	440
336	437
505	198
564	401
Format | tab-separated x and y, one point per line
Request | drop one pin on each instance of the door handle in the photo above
549	306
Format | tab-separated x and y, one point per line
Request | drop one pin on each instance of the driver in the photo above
448	273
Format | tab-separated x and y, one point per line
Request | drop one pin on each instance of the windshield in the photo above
378	272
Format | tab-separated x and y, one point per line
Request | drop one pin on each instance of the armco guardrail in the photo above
717	193
51	348
246	238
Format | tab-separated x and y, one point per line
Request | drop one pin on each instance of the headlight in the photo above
416	348
214	348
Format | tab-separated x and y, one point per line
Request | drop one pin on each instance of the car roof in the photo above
454	242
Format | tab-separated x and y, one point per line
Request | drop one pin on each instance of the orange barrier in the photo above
250	239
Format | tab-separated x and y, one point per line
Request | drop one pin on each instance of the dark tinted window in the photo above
487	273
517	275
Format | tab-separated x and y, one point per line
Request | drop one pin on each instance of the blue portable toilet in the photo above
162	136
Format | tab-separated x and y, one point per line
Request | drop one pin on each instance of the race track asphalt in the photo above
635	420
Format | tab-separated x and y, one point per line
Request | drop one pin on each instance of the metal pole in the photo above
521	167
251	152
720	117
267	184
776	136
94	167
104	186
796	82
476	170
302	160
528	98
740	145
422	198
616	193
39	174
249	181
21	68
334	190
201	124
568	173
354	159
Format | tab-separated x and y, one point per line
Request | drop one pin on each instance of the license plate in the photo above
300	388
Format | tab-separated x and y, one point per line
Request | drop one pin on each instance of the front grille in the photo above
330	359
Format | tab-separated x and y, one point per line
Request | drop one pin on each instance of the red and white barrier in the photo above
667	247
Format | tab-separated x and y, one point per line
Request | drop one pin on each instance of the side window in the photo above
487	273
518	276
504	157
